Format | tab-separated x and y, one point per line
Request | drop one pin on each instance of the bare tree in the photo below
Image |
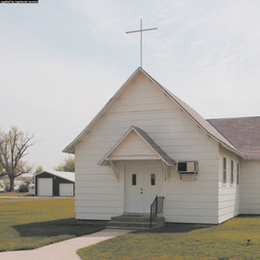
13	148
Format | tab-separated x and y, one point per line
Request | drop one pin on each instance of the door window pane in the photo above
133	179
152	179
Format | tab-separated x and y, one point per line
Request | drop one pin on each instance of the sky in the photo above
62	60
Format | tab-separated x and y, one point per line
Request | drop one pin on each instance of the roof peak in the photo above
201	122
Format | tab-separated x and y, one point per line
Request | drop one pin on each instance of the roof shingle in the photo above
242	132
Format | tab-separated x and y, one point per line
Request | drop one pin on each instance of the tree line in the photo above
14	145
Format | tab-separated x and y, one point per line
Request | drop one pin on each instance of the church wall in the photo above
189	200
100	196
228	192
250	187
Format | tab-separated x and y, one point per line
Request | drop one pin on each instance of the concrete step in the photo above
134	225
135	222
130	218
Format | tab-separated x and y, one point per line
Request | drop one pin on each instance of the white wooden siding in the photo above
133	147
250	187
228	193
100	196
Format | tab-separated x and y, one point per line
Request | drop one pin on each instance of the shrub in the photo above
7	188
23	188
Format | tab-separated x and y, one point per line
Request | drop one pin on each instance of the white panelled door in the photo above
45	187
66	189
143	182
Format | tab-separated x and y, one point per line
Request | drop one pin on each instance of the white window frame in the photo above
231	172
224	179
238	173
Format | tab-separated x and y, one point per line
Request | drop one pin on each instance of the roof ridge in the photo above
226	118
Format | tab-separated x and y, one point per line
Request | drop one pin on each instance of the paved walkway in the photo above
65	250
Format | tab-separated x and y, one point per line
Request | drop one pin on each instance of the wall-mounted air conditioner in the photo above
188	167
188	170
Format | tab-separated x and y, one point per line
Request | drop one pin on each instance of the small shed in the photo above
55	183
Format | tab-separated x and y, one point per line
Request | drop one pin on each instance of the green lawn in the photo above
27	223
14	194
181	241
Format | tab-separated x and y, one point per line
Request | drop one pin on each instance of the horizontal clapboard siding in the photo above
250	187
143	104
228	193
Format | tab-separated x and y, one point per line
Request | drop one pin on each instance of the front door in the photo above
143	182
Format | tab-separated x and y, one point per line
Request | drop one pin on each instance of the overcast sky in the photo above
62	60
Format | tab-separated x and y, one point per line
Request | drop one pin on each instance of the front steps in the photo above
135	222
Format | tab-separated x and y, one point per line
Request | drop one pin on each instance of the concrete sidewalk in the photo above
65	250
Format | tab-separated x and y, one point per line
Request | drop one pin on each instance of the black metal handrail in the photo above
156	208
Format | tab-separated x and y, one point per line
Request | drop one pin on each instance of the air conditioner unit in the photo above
189	167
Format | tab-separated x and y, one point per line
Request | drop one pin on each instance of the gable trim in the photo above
200	121
71	147
147	140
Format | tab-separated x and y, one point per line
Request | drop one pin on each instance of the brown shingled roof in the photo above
242	132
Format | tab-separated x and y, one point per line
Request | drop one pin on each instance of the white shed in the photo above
55	183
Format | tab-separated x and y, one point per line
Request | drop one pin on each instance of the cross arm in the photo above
142	30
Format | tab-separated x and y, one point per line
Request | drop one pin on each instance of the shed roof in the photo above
242	132
70	176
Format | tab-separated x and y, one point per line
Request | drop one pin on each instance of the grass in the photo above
181	241
14	194
28	223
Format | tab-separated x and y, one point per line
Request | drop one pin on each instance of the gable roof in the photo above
148	140
70	176
201	122
242	132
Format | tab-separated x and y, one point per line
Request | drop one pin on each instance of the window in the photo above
224	170
238	174
232	173
152	179
133	179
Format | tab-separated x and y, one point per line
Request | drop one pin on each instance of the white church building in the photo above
146	142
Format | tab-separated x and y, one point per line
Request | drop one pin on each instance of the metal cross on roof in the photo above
141	39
